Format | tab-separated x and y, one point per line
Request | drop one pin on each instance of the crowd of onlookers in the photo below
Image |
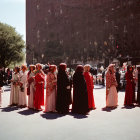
65	86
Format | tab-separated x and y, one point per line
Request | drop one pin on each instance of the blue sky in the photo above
12	12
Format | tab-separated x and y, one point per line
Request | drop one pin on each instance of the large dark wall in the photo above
83	30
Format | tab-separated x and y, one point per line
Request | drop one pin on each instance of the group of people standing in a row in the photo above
59	86
58	89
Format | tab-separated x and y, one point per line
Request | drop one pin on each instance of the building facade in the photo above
83	31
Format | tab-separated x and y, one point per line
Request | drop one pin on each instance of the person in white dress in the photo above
50	103
31	86
23	87
111	84
14	96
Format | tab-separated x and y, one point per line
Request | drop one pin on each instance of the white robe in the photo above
112	98
14	96
50	103
22	94
32	89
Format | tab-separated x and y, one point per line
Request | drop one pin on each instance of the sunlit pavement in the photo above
101	124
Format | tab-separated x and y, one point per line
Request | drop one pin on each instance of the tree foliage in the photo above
11	46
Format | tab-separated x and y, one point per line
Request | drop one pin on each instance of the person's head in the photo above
52	68
38	66
16	69
32	67
62	67
23	68
129	68
79	69
111	68
87	68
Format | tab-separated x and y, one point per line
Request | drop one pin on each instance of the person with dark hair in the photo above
31	86
39	87
130	87
138	92
15	88
118	75
103	78
1	83
80	94
63	90
50	102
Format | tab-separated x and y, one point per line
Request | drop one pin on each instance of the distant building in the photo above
81	31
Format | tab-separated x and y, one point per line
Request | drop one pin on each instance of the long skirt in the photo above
31	97
22	97
14	96
112	97
50	103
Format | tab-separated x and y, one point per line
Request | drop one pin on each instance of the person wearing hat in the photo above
80	94
111	84
63	90
23	87
50	102
31	86
90	86
130	87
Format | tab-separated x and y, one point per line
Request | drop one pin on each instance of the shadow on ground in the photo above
9	109
28	112
51	116
129	107
108	109
79	116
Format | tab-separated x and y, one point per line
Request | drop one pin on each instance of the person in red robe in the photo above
130	87
90	86
39	87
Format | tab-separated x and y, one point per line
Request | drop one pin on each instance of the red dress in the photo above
130	89
39	91
90	86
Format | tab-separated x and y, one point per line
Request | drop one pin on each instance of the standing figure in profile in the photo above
15	88
111	84
118	76
31	86
80	94
130	87
50	103
23	87
39	87
63	90
89	82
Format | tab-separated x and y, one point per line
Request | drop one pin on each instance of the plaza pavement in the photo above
101	124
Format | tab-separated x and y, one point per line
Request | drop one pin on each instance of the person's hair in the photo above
128	68
79	68
39	65
17	68
52	68
87	68
24	66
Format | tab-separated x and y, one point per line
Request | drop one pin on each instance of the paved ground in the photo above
101	124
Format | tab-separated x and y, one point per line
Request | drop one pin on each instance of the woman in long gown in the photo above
39	87
80	95
63	90
23	87
138	92
50	103
31	86
14	95
90	86
130	87
111	84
